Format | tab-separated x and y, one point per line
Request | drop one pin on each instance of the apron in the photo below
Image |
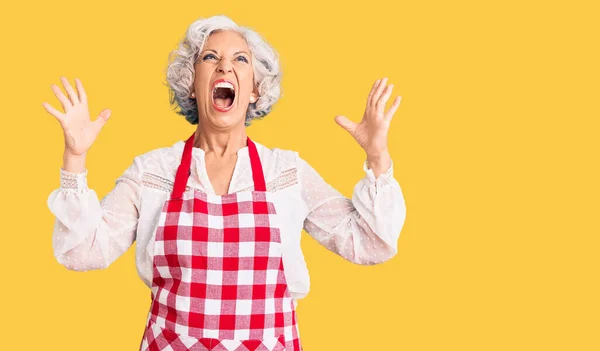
218	281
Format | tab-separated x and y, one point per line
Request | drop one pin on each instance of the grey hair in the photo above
180	70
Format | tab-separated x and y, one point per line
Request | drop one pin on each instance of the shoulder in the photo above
159	161
280	166
278	158
161	152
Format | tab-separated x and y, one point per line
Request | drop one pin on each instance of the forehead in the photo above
226	41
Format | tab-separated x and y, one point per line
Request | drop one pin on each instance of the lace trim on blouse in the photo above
286	179
73	181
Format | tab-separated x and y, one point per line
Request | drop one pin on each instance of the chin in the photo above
224	121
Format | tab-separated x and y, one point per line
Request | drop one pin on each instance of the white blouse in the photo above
91	234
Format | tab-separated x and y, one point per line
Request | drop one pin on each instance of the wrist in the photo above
378	157
73	163
379	162
71	154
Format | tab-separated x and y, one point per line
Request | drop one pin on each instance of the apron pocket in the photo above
269	344
162	337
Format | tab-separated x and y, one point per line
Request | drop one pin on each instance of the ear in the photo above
254	96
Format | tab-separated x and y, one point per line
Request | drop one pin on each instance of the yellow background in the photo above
495	146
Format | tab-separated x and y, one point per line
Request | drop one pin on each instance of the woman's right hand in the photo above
79	130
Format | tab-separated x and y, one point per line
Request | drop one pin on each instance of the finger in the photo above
54	112
373	88
390	113
105	114
81	91
345	123
384	98
69	89
66	104
377	93
101	120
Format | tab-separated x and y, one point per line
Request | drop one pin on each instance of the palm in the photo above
79	135
371	132
79	130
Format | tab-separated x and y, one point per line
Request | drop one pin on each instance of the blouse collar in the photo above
198	152
242	176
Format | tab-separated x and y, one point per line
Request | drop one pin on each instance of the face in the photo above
224	80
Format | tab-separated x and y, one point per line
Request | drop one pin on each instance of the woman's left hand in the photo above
371	132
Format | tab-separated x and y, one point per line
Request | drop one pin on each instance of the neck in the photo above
220	143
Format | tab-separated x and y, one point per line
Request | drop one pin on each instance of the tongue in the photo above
223	102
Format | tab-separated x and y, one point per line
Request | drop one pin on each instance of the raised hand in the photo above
79	130
371	133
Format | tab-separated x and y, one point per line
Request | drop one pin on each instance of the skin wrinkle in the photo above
323	222
222	134
180	73
340	224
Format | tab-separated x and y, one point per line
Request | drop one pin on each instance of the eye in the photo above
208	57
242	58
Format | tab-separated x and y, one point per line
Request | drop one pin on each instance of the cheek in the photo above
202	77
248	85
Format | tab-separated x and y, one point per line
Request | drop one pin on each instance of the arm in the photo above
88	233
363	229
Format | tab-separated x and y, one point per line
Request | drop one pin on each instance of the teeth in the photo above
223	85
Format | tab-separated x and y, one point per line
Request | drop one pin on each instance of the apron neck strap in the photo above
257	170
184	170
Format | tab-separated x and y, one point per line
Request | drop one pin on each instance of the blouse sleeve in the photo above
363	229
88	233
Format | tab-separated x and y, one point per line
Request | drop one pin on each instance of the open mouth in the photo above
223	95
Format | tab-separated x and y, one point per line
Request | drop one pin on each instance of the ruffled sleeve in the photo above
363	229
89	233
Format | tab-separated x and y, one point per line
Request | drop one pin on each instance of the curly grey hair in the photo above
180	71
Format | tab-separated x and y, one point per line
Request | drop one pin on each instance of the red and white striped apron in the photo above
218	280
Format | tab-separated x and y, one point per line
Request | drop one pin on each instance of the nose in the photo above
224	66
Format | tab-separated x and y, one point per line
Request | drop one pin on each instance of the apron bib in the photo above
218	280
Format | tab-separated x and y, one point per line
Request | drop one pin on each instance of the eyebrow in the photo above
239	52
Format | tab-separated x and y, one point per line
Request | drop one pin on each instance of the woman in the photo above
217	219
